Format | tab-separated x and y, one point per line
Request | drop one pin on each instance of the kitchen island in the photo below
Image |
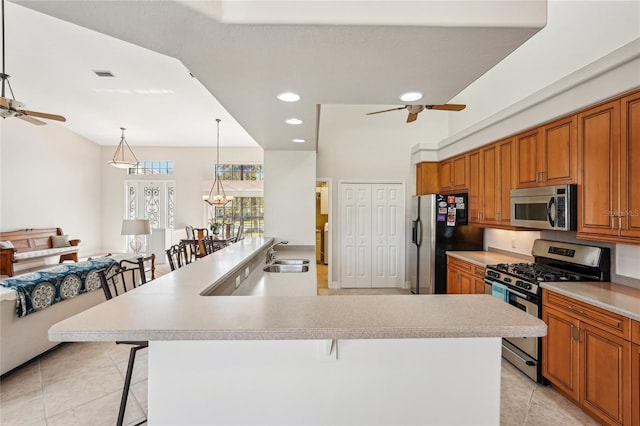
404	359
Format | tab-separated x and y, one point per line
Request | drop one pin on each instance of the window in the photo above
244	182
152	168
248	211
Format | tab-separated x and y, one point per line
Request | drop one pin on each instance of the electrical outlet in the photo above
513	243
238	281
246	272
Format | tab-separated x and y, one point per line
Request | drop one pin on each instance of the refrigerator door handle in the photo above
418	229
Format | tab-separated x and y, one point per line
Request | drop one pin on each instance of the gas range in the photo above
519	285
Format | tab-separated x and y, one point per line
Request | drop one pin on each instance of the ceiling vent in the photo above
103	73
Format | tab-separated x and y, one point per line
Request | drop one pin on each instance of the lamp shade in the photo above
136	227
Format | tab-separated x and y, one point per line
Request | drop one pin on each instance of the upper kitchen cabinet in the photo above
547	155
427	178
454	174
609	146
490	181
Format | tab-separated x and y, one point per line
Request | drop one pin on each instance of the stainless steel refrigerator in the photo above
439	224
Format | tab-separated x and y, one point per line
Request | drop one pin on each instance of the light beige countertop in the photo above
484	258
613	297
172	308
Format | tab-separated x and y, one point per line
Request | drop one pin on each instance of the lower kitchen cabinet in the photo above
464	277
587	356
635	372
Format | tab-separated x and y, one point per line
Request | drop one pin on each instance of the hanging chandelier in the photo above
124	157
217	197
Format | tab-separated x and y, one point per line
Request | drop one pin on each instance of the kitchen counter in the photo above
275	355
613	297
484	258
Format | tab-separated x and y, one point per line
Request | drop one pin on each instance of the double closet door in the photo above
372	235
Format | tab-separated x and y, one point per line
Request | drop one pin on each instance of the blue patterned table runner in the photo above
40	289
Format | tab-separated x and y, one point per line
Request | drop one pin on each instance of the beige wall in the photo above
50	177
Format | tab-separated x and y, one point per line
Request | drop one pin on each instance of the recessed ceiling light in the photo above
298	140
411	96
288	97
293	121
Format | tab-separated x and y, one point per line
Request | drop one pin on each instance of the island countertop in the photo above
172	308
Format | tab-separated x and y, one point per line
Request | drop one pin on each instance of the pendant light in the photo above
124	157
217	197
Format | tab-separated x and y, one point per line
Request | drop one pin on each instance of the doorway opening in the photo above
323	232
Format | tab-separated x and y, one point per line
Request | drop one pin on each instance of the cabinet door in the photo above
630	167
559	152
560	351
467	285
459	173
606	383
453	284
427	178
635	384
478	285
489	184
444	174
505	181
528	151
475	191
598	152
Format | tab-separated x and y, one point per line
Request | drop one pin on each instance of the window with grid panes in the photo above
248	211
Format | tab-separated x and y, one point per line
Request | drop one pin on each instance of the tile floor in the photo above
81	383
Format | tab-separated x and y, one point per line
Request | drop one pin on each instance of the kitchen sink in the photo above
291	262
286	268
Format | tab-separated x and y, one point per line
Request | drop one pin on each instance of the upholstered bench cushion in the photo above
46	252
39	289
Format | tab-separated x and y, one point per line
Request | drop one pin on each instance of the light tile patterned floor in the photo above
81	384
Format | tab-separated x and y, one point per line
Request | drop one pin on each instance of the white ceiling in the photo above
378	51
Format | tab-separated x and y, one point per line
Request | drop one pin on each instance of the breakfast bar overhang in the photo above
397	359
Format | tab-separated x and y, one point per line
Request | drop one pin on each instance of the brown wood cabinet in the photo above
454	175
464	277
635	372
609	152
490	181
587	356
547	155
427	178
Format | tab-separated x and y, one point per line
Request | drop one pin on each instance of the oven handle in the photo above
524	296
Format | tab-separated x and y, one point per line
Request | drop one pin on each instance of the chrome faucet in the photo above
271	253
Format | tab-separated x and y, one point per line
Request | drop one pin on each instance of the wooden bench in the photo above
32	244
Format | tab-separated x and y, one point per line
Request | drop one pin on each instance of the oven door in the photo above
528	304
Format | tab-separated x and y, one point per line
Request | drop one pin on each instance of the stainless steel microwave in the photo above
545	207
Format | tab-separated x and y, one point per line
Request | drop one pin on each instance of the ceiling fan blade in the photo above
411	117
387	110
44	115
447	107
30	119
4	103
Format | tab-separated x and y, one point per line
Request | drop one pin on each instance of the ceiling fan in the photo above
10	107
414	110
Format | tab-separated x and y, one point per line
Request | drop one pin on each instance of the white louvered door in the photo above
372	236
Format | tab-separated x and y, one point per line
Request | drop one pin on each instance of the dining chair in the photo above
178	256
149	263
116	279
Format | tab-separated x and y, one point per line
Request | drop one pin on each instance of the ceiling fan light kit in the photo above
10	107
217	197
411	96
124	158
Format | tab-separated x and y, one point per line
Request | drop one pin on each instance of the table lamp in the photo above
136	227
